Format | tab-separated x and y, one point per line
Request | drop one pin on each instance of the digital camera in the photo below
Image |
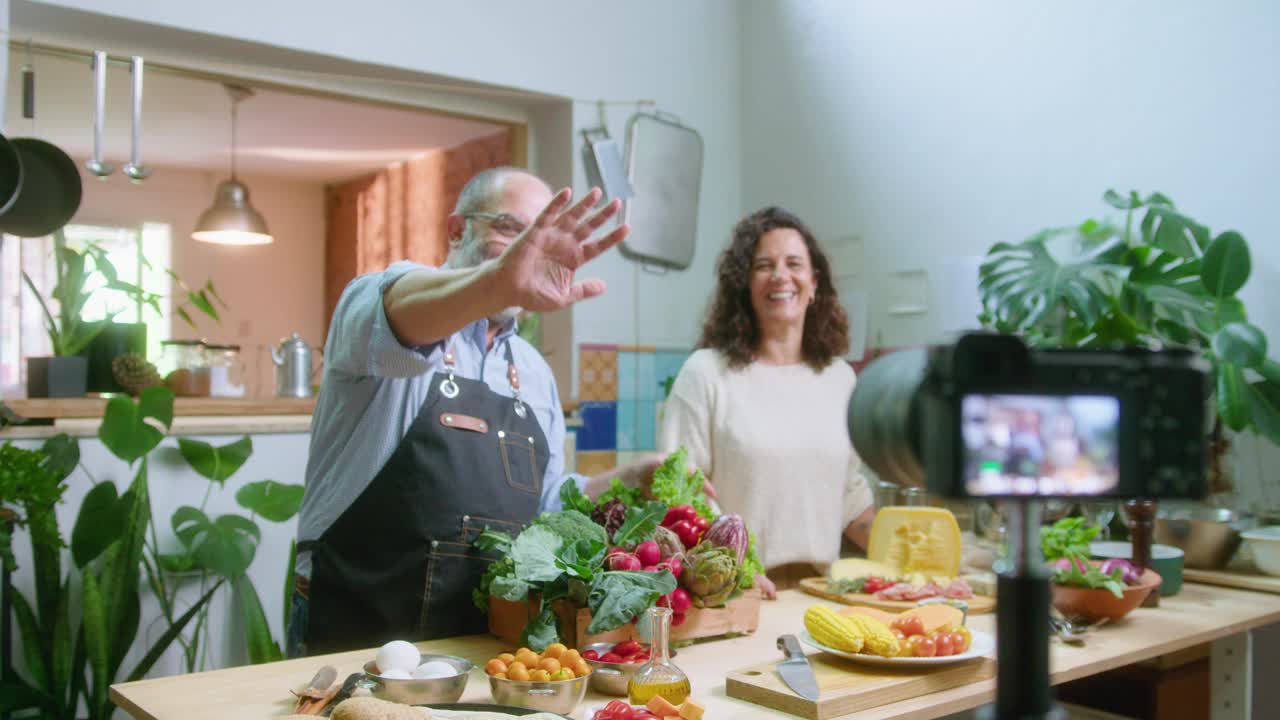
989	417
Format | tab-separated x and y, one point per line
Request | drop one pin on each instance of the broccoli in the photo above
572	526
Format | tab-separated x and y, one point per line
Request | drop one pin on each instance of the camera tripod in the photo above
1022	624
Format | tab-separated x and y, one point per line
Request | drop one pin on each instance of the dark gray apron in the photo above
398	563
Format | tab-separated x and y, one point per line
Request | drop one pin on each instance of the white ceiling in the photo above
186	123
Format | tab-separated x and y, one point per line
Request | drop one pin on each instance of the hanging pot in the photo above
47	189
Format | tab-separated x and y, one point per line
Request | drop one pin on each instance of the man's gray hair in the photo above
482	191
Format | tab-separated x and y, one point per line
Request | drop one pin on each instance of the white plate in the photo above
983	644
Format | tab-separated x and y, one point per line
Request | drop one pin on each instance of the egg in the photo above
434	669
395	674
397	655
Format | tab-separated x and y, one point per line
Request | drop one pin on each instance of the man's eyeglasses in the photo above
505	224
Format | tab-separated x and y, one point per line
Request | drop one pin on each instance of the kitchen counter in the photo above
1200	614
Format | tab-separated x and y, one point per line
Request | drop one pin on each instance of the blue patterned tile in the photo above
599	425
647	377
646	424
628	437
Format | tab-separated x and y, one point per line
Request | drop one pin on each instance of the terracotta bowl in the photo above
1094	604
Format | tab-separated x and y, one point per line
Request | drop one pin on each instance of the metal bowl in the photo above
420	692
554	696
1208	536
612	678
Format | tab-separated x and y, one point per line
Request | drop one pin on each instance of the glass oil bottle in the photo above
659	676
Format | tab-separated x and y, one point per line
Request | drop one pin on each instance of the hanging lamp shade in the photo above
232	219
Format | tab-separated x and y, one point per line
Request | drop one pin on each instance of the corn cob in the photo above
833	630
877	638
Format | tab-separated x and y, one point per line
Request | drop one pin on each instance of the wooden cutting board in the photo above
978	604
1232	578
845	686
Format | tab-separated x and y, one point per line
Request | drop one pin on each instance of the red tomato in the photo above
875	584
925	647
942	642
908	625
701	523
959	643
590	655
610	657
627	648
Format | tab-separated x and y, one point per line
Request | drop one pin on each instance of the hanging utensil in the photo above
96	165
28	87
136	171
47	189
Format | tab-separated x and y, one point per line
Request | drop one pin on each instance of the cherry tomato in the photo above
959	643
701	523
966	636
874	584
908	625
627	648
942	643
610	657
924	647
590	655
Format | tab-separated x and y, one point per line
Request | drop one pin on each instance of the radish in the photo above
680	601
649	553
624	561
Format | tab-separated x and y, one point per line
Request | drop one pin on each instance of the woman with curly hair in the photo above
761	405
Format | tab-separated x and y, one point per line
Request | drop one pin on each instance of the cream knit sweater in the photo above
773	440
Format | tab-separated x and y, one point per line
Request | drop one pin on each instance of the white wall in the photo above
270	290
682	55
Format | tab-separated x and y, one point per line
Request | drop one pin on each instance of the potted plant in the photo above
1159	278
84	350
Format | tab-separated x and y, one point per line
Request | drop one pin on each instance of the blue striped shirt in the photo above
374	387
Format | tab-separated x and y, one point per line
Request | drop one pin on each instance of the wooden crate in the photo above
741	615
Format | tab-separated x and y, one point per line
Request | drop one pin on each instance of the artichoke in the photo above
710	574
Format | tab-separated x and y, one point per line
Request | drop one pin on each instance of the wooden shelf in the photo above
64	408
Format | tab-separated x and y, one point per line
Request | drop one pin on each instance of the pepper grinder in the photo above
1141	513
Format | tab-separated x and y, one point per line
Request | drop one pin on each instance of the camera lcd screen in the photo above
1049	445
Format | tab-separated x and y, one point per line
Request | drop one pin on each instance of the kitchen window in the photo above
22	321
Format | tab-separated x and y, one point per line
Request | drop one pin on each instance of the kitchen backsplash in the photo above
620	391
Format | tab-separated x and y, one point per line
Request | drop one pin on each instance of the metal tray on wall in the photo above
664	163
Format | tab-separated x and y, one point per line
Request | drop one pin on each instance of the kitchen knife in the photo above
795	669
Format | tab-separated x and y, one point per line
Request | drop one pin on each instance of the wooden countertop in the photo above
1199	614
92	407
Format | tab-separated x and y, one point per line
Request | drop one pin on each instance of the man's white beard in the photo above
505	316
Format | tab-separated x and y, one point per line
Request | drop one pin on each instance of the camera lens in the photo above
884	416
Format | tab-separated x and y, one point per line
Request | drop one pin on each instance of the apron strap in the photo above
449	388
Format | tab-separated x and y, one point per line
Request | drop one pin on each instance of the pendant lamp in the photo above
231	219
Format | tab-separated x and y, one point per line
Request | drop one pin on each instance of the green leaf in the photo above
274	501
32	647
640	524
1264	405
262	648
582	558
572	498
62	454
289	581
125	429
1226	265
1120	202
493	541
510	588
617	596
534	553
181	312
95	637
175	562
1232	406
100	522
63	649
216	463
225	546
1175	233
17	695
201	301
170	634
541	631
1270	370
1241	344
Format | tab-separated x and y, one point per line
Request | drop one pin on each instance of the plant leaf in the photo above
262	648
1241	344
1120	202
1226	265
17	695
170	634
225	546
95	639
640	523
125	430
617	596
541	631
274	501
100	522
534	554
62	454
1232	407
216	463
1264	405
29	632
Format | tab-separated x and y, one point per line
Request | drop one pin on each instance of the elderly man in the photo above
436	420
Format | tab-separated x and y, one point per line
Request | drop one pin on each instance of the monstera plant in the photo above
1156	278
